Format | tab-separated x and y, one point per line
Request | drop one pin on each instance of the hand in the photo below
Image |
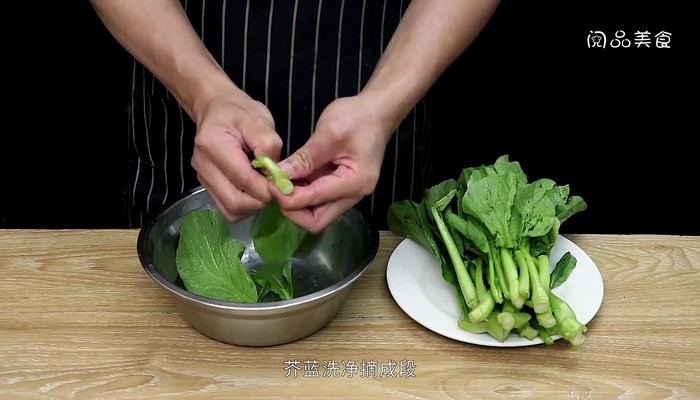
339	164
229	128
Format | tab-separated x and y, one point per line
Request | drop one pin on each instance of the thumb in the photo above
307	159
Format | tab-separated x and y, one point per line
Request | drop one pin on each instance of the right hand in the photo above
230	128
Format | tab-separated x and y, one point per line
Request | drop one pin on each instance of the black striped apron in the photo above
295	56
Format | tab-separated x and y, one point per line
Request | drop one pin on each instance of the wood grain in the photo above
80	319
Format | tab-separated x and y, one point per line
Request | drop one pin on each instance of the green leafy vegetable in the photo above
208	259
274	174
492	231
276	238
409	219
275	277
562	270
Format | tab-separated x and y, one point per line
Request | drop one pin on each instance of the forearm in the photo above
159	35
430	37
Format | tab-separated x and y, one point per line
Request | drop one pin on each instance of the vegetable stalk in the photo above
465	282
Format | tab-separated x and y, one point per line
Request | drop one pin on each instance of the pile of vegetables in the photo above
208	257
492	231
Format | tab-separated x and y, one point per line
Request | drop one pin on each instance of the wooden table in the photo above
80	319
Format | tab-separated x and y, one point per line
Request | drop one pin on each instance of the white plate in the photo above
415	281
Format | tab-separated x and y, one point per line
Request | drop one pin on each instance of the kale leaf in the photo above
208	259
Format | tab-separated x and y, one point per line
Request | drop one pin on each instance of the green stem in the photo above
521	319
567	324
275	174
543	333
544	272
523	275
489	325
527	331
486	302
494	284
500	275
511	272
506	316
465	282
546	318
540	299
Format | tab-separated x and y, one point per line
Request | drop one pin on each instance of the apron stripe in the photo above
245	44
147	101
313	72
340	36
202	24
223	35
165	148
182	151
291	74
267	53
133	136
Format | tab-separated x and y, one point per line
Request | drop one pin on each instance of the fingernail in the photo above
286	166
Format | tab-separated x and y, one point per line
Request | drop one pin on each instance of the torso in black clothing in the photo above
294	56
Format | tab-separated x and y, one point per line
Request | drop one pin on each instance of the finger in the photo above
220	205
241	209
264	141
237	206
342	183
231	200
314	154
317	219
233	203
230	159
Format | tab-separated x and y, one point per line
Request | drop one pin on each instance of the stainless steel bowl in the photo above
323	270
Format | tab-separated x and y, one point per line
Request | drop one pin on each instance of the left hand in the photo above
339	164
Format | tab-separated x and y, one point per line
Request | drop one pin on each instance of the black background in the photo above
617	125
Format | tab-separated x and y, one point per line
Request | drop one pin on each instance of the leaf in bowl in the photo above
276	278
208	259
276	238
